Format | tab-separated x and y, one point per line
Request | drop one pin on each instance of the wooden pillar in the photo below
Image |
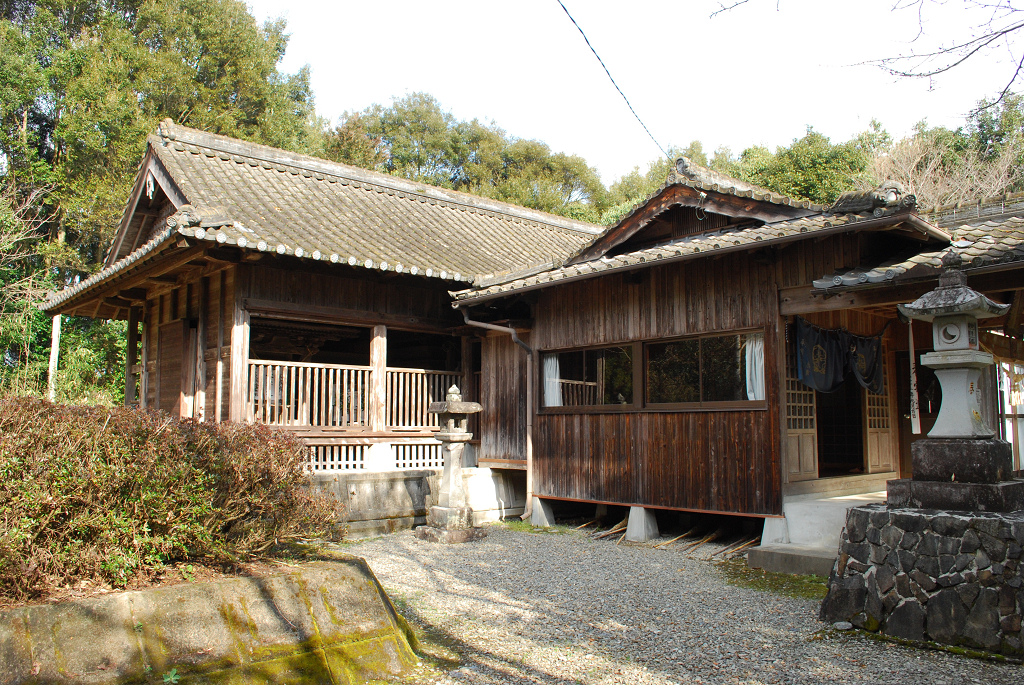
239	361
217	409
147	337
201	347
54	355
378	379
131	371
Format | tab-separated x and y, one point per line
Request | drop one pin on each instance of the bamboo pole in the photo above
662	545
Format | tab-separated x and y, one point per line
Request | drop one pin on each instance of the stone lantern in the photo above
451	519
961	465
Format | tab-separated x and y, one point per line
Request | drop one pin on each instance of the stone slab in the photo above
982	497
328	622
450	537
802	560
450	518
962	460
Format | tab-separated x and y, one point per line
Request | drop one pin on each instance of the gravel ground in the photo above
522	607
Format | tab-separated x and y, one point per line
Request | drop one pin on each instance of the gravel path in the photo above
520	607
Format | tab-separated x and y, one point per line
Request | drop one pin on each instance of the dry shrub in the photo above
104	494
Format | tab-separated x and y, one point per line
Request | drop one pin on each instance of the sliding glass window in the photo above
714	370
588	378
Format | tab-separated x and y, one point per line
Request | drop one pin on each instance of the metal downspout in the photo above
529	402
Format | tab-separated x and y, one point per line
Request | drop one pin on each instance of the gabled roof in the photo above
692	185
231	192
697	247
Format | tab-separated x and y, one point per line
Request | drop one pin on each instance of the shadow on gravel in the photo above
446	652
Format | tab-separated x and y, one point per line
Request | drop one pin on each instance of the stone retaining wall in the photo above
325	622
378	502
949	577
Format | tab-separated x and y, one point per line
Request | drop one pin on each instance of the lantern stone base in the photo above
450	525
944	576
978	497
963	460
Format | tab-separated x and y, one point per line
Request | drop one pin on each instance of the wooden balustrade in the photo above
578	393
410	392
335	395
299	394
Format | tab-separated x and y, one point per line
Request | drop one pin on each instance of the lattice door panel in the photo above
878	423
801	428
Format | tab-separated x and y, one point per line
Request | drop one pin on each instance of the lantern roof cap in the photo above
952	297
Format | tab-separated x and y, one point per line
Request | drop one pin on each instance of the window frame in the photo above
633	406
640	349
713	405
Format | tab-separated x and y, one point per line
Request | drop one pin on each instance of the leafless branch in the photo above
725	8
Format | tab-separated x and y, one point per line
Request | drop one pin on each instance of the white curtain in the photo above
552	388
754	345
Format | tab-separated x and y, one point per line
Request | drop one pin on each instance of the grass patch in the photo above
527	527
737	573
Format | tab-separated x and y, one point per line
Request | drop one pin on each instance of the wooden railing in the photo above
333	395
410	391
298	394
578	393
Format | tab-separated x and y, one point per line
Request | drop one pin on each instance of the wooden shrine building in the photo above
653	364
666	353
262	285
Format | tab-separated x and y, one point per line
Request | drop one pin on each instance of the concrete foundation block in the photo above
776	531
642	525
542	515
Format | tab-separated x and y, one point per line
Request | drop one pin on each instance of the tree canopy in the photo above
415	138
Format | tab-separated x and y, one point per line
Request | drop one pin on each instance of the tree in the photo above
416	138
81	86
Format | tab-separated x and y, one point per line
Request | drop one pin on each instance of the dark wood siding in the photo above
503	397
368	292
724	461
170	366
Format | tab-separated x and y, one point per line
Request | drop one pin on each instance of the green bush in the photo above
104	494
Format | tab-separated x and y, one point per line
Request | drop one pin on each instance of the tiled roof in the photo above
702	178
302	206
117	267
691	175
691	247
980	244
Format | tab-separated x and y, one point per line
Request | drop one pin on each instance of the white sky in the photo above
758	74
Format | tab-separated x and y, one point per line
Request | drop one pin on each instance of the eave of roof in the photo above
984	246
696	247
58	298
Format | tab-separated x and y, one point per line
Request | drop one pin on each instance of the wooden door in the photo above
801	424
878	424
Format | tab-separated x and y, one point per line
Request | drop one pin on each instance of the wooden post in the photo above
217	410
239	360
201	347
147	337
378	379
131	374
54	354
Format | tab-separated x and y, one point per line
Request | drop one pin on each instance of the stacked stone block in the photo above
948	577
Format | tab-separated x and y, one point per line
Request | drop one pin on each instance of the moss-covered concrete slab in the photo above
325	622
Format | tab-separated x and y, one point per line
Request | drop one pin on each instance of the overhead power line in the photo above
613	81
